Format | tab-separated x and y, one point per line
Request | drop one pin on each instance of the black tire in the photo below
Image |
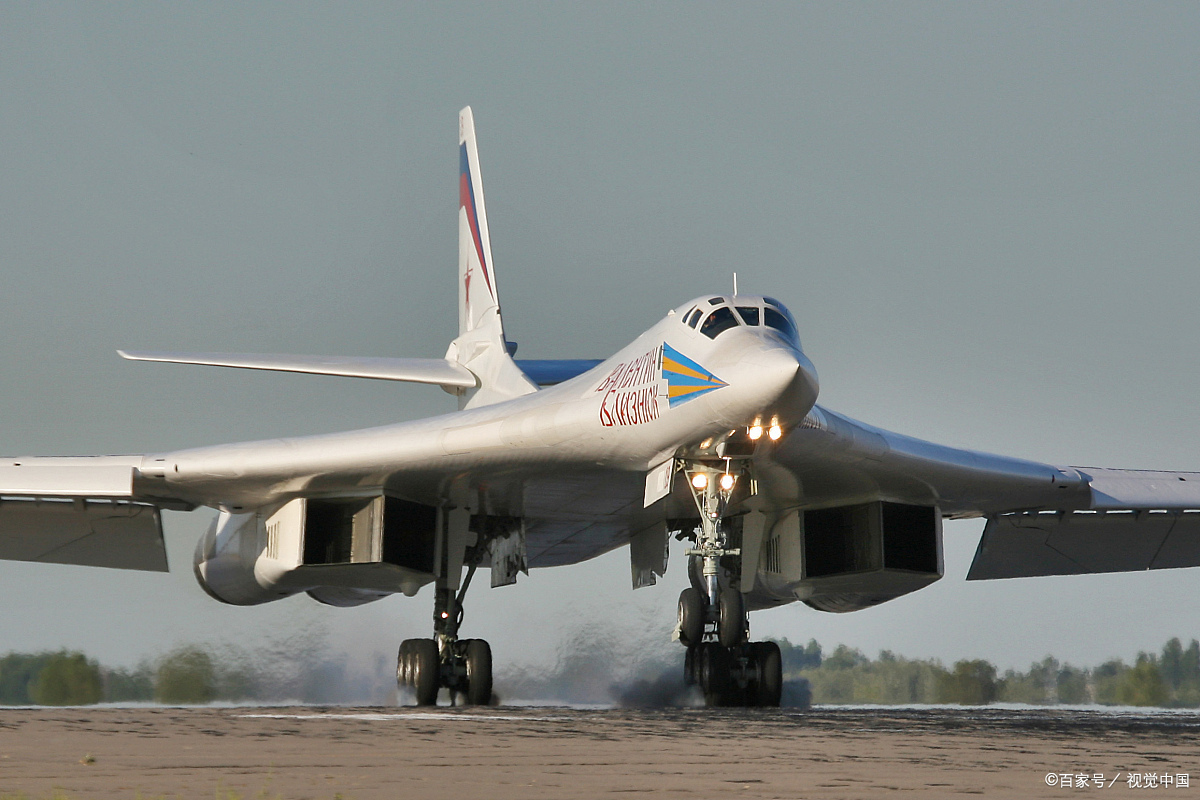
404	664
691	618
425	671
400	664
768	672
731	620
479	672
714	673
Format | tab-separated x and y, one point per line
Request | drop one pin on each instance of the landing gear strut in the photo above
713	623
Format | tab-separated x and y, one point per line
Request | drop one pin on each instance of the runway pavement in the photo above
526	752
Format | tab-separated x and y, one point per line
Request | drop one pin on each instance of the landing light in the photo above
727	481
700	480
775	432
755	432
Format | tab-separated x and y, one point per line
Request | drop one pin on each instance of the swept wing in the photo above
1042	519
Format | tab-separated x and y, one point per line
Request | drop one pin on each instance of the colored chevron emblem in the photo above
685	378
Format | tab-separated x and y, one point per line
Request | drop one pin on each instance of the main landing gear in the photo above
464	666
713	623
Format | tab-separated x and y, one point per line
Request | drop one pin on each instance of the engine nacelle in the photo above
850	557
341	551
227	560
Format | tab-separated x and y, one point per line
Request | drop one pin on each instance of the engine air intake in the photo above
369	530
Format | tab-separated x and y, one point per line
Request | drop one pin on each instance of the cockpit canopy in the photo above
715	315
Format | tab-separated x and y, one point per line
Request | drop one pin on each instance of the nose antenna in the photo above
735	283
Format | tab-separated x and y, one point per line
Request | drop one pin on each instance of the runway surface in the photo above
521	752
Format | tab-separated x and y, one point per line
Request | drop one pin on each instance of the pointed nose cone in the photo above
787	381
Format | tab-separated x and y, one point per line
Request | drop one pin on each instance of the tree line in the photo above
1170	678
194	675
191	675
187	675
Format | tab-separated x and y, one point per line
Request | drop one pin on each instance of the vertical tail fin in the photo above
481	345
477	281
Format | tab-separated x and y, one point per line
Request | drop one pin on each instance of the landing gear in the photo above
691	618
768	673
731	618
732	621
464	666
419	667
466	672
750	674
478	658
715	674
713	623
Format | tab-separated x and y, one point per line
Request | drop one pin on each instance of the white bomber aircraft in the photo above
705	427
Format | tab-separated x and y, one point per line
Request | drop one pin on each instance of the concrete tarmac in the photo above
521	752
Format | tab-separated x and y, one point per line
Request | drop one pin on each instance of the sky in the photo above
982	215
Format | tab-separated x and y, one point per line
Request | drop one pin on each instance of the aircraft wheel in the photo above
691	618
731	621
479	672
768	669
404	663
425	670
714	673
400	677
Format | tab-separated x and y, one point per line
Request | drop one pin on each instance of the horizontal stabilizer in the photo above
84	532
548	372
1084	543
437	371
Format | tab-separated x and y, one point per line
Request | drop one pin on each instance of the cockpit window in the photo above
718	322
779	322
789	328
749	314
715	301
694	317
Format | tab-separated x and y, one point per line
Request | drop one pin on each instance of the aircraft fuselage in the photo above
618	416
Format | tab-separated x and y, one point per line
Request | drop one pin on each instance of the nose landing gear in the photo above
713	622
